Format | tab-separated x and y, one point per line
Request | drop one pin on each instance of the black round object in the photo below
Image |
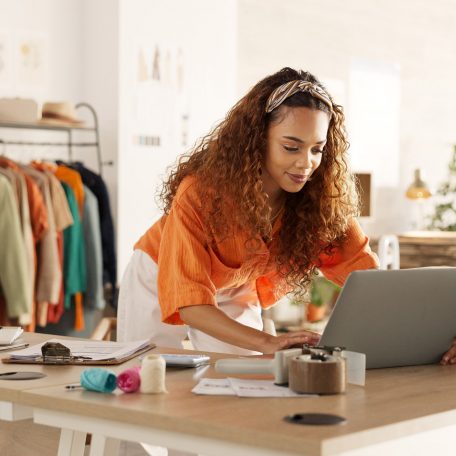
315	419
21	375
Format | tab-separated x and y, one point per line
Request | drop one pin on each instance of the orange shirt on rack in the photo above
74	180
190	271
38	213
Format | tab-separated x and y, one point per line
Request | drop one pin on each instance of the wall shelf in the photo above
66	129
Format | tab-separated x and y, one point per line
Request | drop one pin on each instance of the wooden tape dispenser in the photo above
318	370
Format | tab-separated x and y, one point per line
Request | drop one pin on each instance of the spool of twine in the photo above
129	380
153	371
325	374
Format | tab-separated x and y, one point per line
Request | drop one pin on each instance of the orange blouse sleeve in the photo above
184	265
354	254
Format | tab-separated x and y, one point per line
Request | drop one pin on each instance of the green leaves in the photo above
322	291
444	217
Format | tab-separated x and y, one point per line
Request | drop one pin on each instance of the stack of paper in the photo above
91	350
8	334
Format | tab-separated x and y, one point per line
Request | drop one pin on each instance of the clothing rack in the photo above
70	144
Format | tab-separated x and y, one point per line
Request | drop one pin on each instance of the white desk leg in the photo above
72	443
14	412
104	446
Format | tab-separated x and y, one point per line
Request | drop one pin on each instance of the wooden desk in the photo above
13	409
397	411
408	410
16	418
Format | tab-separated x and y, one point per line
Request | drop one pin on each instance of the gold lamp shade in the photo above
418	189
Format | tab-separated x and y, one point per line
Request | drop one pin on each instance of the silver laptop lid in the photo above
397	317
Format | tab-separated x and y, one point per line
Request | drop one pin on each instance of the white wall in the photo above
90	50
323	37
91	53
58	24
56	27
99	70
205	31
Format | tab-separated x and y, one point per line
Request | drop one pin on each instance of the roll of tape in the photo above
325	374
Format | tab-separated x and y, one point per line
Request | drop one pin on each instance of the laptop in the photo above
401	317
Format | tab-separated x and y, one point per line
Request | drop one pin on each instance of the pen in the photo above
13	347
74	386
20	346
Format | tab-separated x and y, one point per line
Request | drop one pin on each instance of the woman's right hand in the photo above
215	323
290	340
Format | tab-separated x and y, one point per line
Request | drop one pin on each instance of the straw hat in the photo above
61	113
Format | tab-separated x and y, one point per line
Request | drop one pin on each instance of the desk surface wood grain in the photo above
394	403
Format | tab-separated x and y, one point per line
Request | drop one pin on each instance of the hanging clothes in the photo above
93	297
49	273
13	259
12	179
62	213
74	260
97	185
56	311
62	219
58	227
34	214
73	179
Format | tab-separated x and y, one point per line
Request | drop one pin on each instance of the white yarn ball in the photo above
153	371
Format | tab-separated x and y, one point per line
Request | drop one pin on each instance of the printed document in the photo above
243	388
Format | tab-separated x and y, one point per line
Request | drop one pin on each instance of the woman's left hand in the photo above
450	356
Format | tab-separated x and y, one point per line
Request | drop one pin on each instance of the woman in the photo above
249	214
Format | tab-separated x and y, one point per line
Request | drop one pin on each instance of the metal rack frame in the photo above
70	144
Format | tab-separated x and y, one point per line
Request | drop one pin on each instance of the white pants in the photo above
139	314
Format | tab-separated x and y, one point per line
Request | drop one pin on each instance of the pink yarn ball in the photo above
129	380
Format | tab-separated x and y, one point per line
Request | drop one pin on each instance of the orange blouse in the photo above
190	271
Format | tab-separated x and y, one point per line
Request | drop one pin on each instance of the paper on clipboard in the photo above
86	350
8	334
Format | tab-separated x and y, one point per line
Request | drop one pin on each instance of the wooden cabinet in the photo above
427	248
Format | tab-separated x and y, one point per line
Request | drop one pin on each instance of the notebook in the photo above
397	318
8	334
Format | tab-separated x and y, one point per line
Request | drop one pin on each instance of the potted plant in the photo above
323	295
444	217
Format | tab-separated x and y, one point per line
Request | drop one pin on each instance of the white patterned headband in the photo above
290	88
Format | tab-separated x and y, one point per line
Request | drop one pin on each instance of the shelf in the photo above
67	129
42	126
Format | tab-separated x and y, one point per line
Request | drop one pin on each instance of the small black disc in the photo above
314	419
21	375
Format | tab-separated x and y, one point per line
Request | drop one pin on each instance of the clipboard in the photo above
69	359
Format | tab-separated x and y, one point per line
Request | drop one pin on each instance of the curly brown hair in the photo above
230	158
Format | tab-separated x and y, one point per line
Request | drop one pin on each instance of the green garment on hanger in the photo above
14	276
74	263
